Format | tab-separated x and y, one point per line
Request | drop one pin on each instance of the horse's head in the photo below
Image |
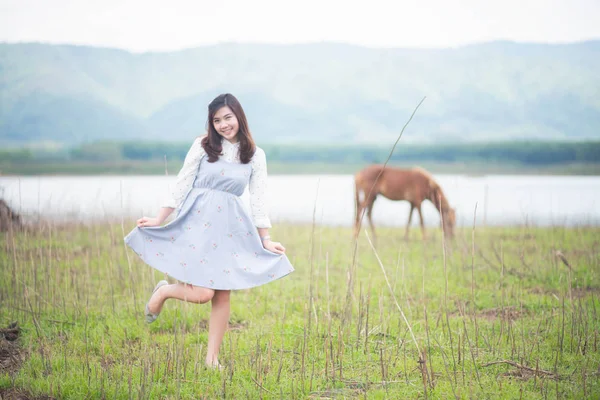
449	222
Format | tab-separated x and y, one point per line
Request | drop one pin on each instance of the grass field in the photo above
496	313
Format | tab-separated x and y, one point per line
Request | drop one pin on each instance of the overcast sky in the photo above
143	25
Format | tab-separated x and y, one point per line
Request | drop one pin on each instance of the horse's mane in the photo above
432	182
436	190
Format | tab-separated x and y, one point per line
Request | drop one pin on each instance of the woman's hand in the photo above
146	222
275	247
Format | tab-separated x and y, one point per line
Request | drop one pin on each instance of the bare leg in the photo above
412	208
179	291
421	218
219	319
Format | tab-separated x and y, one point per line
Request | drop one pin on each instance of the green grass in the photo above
79	294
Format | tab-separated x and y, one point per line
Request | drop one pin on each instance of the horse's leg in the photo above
359	210
356	207
421	218
370	216
412	208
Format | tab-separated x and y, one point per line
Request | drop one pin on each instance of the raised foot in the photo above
151	315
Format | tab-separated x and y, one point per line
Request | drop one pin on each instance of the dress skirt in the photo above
212	241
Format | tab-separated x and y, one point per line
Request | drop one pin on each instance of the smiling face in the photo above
227	120
226	124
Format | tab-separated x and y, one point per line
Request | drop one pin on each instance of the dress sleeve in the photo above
258	190
185	177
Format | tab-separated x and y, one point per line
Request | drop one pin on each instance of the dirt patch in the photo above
580	293
9	219
509	313
238	325
519	374
506	313
233	326
336	393
522	371
11	355
11	359
18	394
577	293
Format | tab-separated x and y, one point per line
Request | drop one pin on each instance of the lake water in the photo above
501	200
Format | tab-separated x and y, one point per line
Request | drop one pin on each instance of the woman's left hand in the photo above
275	247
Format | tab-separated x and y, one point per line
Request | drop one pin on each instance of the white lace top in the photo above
257	186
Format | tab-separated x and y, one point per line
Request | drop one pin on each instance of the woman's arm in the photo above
258	201
185	178
163	214
268	244
258	190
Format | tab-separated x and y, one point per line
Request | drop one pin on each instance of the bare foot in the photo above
214	365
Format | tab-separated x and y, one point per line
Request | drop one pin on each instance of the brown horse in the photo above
413	185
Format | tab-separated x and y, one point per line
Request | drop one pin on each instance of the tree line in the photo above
525	153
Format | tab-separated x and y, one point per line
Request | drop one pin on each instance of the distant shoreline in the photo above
278	168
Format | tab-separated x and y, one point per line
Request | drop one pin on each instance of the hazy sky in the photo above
142	25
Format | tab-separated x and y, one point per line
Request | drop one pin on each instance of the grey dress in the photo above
212	241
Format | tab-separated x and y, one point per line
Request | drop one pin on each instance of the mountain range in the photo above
305	93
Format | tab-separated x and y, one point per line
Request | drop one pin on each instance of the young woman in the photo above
213	246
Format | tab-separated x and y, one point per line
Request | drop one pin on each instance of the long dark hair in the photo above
212	143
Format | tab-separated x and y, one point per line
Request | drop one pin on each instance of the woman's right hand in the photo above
146	222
